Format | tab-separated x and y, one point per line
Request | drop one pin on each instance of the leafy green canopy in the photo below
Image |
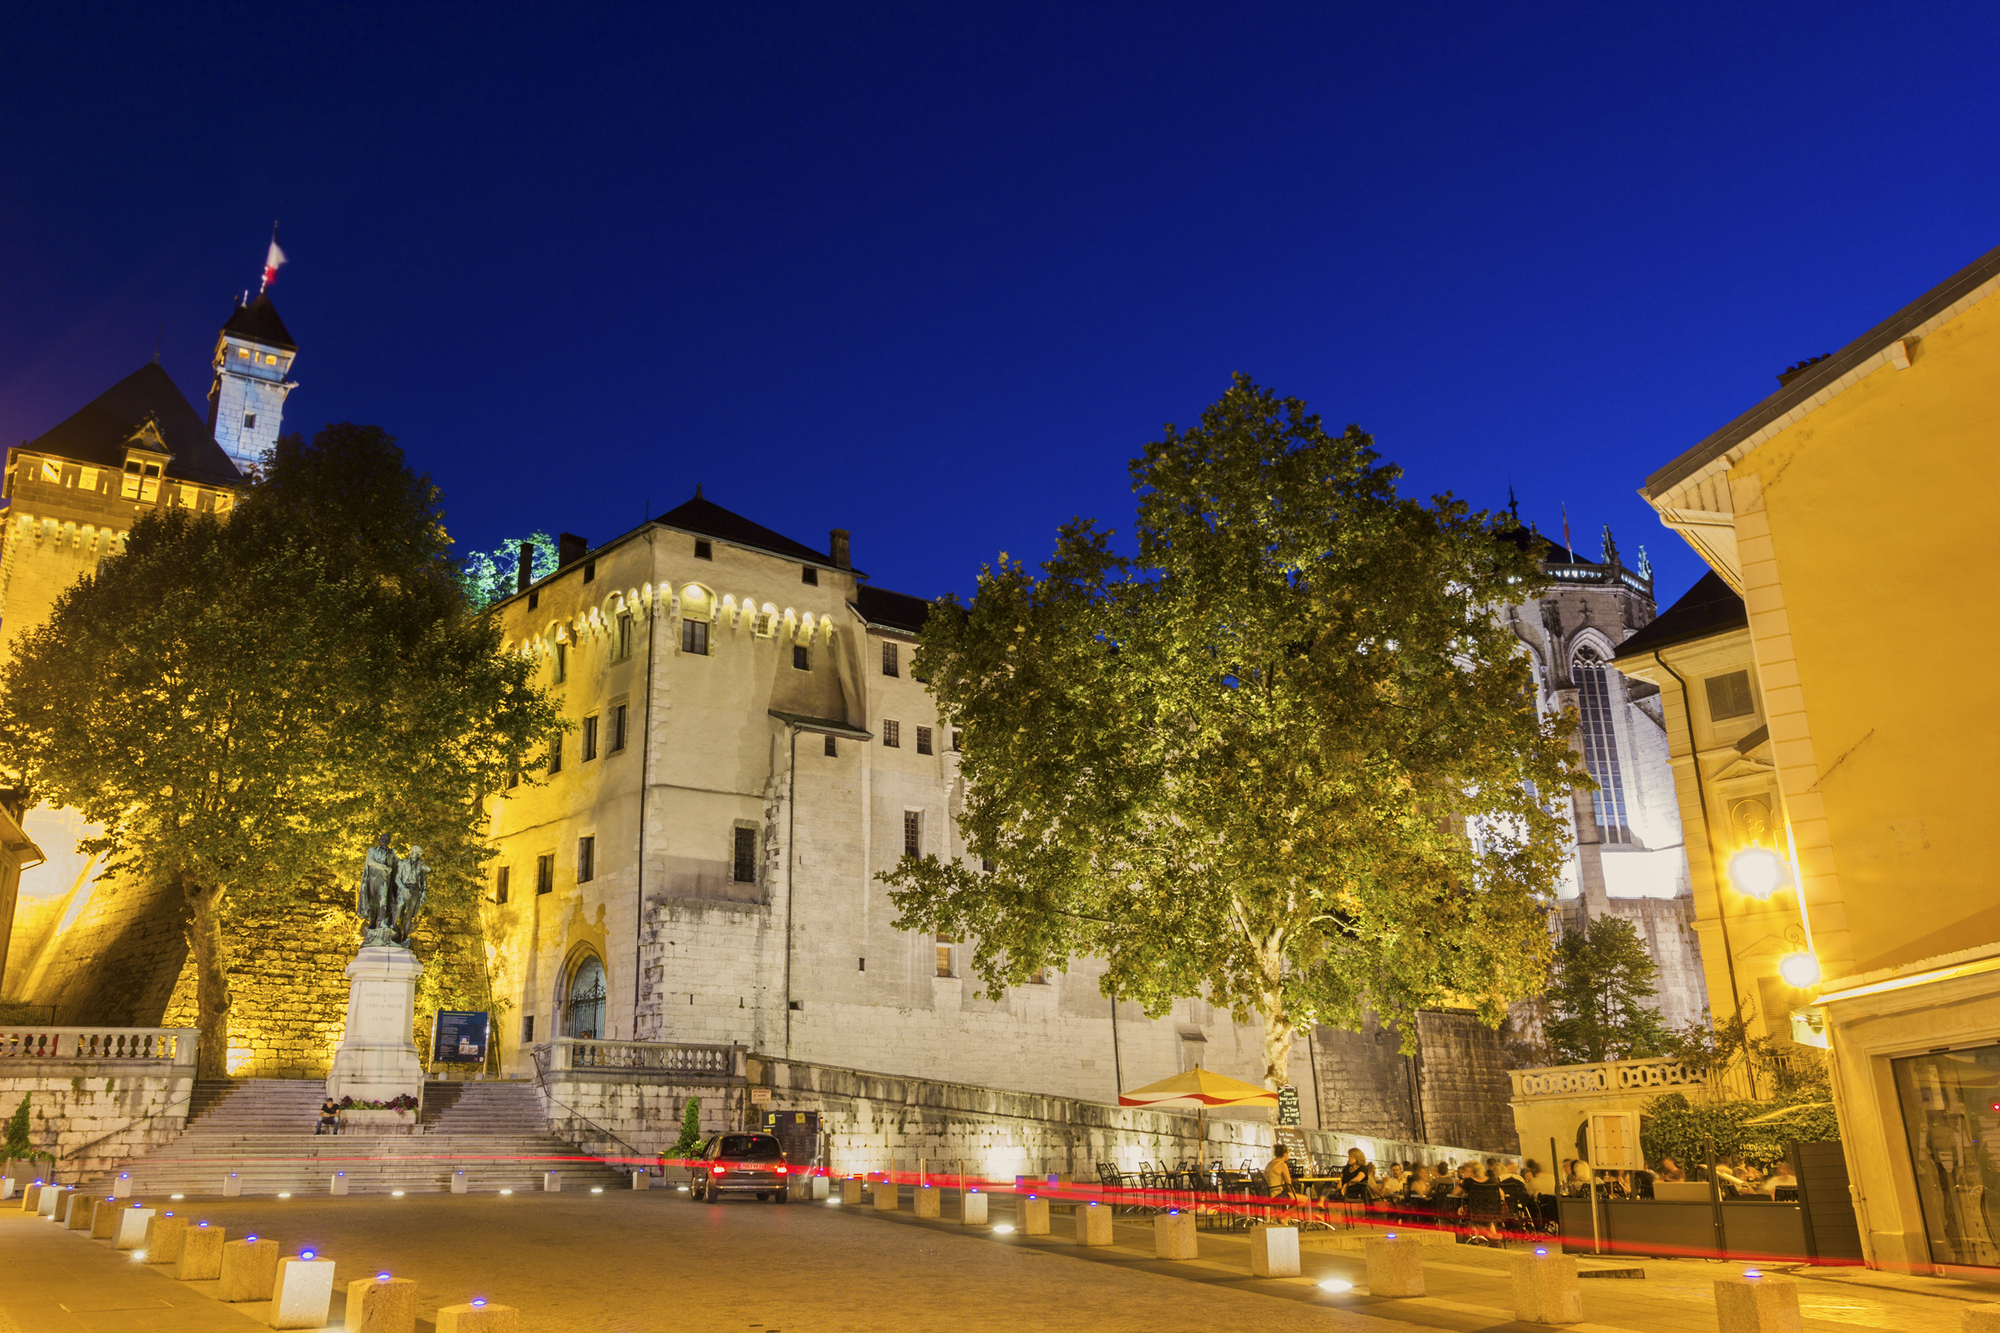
1286	757
1597	996
242	706
490	577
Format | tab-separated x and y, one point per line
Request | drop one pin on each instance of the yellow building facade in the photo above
1851	512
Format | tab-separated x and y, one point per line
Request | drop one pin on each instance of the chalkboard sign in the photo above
459	1038
1296	1148
1288	1105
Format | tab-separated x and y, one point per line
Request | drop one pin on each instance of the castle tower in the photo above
246	404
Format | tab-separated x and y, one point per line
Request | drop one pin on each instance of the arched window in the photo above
583	1000
1600	746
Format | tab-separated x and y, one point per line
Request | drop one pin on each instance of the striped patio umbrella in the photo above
1198	1090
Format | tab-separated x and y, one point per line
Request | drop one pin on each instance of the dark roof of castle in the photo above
706	518
891	610
259	322
1709	607
97	432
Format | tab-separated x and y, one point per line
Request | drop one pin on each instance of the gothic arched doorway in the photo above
583	999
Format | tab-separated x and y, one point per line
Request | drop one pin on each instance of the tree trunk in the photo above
1278	1033
211	977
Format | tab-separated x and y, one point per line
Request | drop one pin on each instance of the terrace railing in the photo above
668	1059
1657	1075
173	1047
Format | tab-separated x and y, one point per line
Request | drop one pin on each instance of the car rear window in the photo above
751	1147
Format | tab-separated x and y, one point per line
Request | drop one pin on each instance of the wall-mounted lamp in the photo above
1799	970
1758	872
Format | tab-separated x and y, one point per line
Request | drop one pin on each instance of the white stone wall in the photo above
94	1117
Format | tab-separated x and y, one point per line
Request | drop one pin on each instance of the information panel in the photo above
460	1038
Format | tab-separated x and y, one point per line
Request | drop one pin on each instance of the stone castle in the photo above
750	750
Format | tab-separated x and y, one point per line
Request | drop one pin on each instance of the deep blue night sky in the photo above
935	273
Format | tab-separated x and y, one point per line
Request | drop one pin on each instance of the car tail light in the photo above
719	1170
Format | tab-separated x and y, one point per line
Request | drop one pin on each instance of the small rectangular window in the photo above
586	860
249	421
527	1027
957	740
500	884
86	479
590	738
243	353
534	599
694	637
892	734
555	752
944	957
545	874
889	660
746	856
618	728
986	864
923	740
1729	696
590	571
624	637
913	833
801	657
807	574
832	748
703	551
52	472
562	663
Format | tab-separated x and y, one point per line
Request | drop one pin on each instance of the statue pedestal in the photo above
377	1060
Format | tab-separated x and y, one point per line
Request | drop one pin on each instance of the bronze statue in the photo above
392	894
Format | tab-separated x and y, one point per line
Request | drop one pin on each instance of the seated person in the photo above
1781	1178
1670	1171
1355	1177
329	1117
1278	1175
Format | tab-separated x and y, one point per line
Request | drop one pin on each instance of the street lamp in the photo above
1758	872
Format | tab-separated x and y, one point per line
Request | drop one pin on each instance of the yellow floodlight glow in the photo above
1757	872
1799	970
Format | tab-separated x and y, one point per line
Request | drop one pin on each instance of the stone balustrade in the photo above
173	1047
1656	1074
669	1059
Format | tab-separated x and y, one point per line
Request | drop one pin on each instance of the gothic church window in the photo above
1600	746
583	1001
746	856
1729	696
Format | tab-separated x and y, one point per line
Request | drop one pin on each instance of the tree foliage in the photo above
1286	756
244	705
493	576
1673	1126
1598	995
690	1141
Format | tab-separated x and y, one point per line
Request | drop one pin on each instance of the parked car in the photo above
740	1164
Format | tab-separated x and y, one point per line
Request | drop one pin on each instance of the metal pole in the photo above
1714	1195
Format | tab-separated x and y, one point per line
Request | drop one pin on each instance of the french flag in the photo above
271	262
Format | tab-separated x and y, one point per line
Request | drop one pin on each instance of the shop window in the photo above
1951	1105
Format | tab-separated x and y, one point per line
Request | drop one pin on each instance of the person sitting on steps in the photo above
329	1117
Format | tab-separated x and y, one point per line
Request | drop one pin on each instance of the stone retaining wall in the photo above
880	1122
96	1116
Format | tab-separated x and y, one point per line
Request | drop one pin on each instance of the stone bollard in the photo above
121	1188
1093	1223
1034	1216
249	1270
458	1182
76	1211
929	1201
972	1209
1173	1236
164	1235
51	1199
887	1196
478	1317
31	1197
232	1186
850	1191
201	1253
128	1232
7	1187
337	1183
1395	1265
642	1180
1274	1252
1753	1303
1980	1319
817	1187
382	1304
1545	1289
552	1182
104	1217
303	1292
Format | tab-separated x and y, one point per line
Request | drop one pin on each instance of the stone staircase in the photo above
262	1130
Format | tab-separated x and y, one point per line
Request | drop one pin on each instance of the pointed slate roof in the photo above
96	434
259	323
706	518
1709	607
